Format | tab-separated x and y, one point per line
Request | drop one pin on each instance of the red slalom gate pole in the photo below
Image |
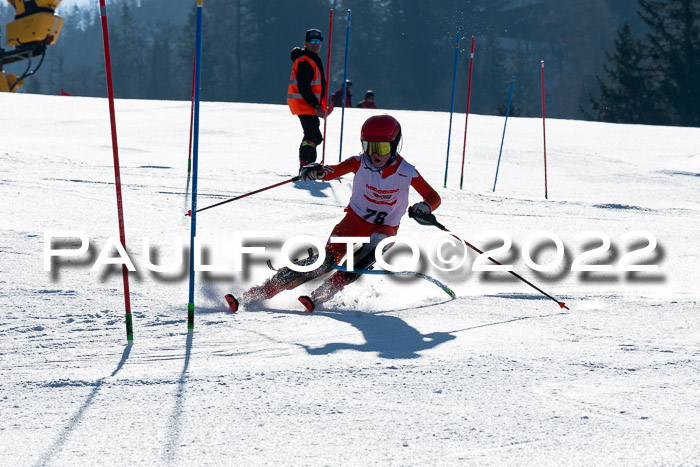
328	82
469	95
544	134
117	176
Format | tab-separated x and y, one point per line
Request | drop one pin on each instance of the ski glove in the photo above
421	208
312	172
421	213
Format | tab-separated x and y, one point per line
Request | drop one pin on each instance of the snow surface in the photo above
390	371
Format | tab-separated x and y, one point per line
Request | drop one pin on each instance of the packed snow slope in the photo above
391	371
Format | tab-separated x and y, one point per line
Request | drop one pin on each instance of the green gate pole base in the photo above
190	318
129	329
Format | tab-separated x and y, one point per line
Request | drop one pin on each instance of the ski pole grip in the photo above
425	219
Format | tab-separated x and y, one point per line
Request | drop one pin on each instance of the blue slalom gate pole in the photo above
345	86
510	95
195	153
452	107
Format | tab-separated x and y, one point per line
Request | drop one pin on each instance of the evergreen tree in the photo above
673	46
127	52
626	95
160	73
490	76
525	69
376	53
654	80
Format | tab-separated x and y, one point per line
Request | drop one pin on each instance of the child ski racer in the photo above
378	202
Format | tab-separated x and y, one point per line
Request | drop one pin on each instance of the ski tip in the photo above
308	303
232	302
189	213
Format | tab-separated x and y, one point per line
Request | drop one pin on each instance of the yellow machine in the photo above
35	27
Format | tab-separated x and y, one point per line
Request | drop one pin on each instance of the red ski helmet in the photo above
383	128
380	128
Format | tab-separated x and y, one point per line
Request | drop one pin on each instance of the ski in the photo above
232	302
445	288
308	303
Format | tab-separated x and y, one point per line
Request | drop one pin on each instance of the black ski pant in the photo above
312	134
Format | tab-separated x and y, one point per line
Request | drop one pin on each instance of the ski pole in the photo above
429	219
293	179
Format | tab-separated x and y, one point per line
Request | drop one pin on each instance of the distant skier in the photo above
368	101
378	202
337	99
307	86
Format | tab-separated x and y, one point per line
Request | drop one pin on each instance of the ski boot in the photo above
284	279
363	259
327	289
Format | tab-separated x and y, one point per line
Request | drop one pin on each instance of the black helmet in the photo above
369	93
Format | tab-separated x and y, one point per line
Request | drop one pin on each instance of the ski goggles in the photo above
381	148
314	41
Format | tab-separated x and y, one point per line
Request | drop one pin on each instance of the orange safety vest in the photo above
296	103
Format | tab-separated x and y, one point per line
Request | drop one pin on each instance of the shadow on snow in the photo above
389	336
316	189
57	446
175	424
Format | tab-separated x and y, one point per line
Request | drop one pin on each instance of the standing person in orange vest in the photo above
305	94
